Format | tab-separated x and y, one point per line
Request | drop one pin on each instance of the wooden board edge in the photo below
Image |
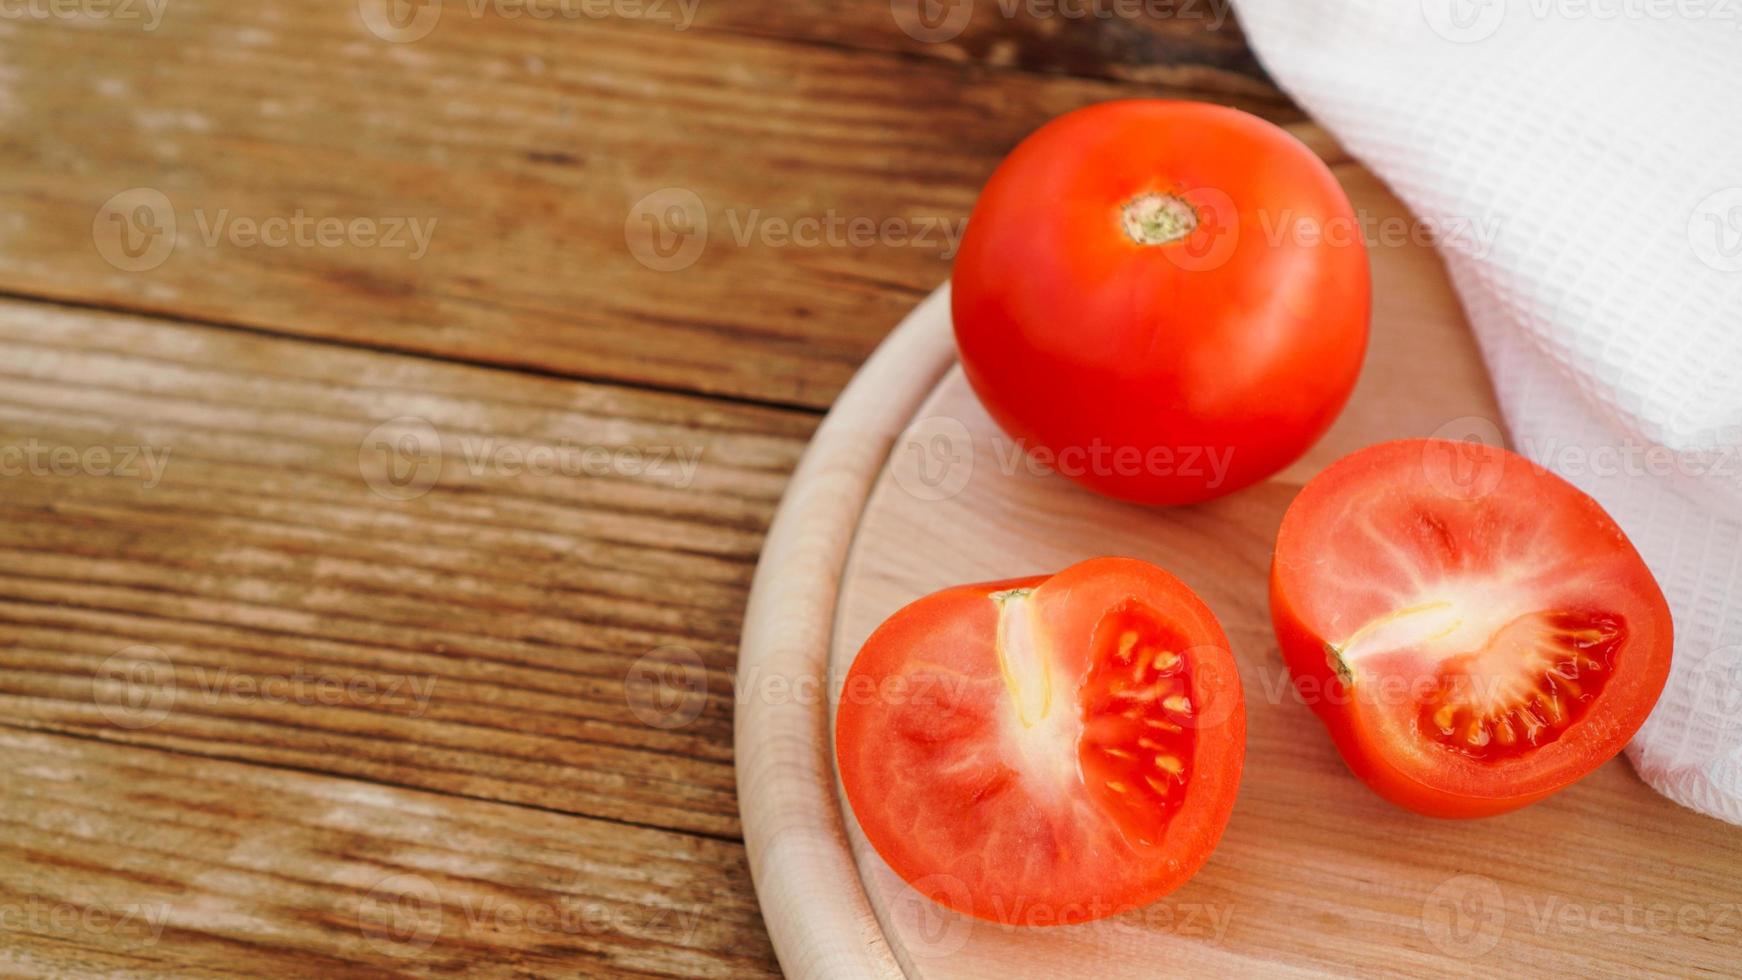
807	882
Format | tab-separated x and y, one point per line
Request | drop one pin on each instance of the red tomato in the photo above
1049	750
1165	301
1475	632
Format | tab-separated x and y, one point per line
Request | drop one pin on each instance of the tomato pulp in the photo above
1475	632
1165	301
1047	750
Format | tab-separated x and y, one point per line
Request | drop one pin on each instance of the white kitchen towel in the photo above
1581	163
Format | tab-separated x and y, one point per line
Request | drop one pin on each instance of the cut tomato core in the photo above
1129	739
1502	681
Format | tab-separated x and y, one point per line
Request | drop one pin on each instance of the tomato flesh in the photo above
1056	749
1472	645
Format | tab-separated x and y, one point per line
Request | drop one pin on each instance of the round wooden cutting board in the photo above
909	488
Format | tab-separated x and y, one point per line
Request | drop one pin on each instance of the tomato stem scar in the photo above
1158	219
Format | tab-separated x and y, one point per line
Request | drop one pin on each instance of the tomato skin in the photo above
1574	530
1016	849
1162	373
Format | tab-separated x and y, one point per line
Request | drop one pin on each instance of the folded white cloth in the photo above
1583	161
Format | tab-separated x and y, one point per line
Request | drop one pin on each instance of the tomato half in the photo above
1165	301
1048	750
1475	632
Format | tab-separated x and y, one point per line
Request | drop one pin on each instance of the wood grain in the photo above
1188	44
528	152
130	861
1316	875
562	639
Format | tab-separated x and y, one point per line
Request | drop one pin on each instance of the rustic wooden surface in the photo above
271	708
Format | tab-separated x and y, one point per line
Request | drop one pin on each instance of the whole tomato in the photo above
1165	301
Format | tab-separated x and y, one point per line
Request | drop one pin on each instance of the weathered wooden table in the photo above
396	394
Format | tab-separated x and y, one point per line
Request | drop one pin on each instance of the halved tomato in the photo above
1048	750
1475	632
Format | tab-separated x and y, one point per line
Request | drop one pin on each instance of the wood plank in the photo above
131	861
553	621
1192	44
530	154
